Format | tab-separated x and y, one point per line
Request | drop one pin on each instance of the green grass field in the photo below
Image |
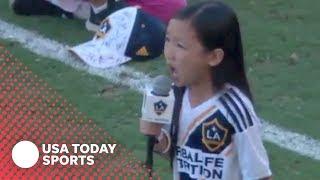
281	45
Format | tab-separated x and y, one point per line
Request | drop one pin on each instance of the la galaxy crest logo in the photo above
104	28
214	135
160	107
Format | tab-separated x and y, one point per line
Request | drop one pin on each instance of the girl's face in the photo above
188	60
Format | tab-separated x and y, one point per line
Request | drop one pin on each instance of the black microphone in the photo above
160	113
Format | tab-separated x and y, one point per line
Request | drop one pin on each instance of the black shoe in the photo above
94	21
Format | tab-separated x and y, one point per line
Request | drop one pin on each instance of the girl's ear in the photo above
216	56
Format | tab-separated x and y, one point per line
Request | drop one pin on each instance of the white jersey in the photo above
220	139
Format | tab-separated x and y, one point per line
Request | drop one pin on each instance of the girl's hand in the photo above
150	128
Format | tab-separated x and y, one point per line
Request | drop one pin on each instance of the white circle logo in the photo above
25	154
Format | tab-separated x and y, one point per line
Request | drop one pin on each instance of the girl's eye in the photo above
180	45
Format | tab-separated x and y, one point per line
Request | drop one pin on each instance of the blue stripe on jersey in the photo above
237	109
233	116
185	176
244	107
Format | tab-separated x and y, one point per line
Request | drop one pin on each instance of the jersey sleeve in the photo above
253	159
252	156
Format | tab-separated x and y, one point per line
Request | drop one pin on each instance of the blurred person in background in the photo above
94	11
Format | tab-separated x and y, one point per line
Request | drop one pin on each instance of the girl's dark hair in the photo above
216	26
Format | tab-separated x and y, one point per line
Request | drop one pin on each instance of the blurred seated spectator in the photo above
95	10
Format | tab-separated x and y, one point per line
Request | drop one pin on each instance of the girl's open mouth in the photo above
173	71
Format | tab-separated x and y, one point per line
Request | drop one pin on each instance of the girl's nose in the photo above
169	54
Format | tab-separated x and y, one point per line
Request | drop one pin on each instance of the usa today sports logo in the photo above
25	154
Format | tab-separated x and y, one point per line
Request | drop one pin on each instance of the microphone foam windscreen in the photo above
161	85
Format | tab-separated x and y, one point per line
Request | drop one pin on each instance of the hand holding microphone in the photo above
157	110
157	107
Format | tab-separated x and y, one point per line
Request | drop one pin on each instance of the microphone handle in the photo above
149	159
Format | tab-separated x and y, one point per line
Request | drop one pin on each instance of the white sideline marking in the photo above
299	143
127	76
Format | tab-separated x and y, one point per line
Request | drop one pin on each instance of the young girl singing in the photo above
215	133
